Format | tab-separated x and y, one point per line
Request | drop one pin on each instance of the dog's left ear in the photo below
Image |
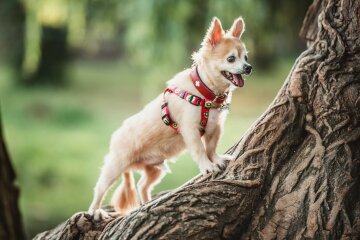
238	28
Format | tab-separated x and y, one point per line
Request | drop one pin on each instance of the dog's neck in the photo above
211	80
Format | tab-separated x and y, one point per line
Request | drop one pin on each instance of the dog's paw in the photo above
209	167
222	158
205	166
100	214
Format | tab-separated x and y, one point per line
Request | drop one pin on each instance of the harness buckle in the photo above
209	104
221	97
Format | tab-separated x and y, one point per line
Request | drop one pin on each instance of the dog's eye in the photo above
246	57
231	59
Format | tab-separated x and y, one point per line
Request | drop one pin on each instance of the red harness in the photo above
210	100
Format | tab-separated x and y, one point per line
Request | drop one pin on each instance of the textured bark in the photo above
10	219
296	173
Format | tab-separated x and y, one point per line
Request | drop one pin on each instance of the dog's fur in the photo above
144	142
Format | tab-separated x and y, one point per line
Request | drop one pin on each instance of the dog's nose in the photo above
248	68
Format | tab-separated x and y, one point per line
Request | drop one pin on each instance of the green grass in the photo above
57	137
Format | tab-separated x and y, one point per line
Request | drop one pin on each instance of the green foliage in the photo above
145	32
166	32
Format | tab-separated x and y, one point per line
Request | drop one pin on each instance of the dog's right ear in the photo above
214	34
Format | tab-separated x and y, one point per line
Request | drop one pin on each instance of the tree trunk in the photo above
12	35
296	174
10	219
54	56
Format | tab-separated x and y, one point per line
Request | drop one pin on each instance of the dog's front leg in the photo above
197	150
211	142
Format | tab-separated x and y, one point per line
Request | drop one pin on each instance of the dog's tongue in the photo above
238	80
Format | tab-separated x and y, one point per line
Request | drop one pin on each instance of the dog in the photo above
190	115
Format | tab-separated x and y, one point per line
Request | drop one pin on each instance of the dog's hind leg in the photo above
151	176
125	196
111	170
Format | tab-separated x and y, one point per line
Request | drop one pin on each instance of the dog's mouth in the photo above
235	79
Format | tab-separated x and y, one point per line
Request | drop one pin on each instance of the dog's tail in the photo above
125	196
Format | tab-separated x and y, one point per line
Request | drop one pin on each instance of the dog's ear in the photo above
215	33
238	28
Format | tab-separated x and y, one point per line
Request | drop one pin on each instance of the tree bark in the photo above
10	219
296	173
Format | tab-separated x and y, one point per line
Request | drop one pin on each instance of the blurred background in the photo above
72	70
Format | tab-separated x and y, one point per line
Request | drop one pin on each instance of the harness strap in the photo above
165	113
204	118
194	100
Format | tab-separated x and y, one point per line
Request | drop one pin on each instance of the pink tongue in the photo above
238	79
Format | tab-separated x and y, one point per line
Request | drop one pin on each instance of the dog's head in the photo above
224	54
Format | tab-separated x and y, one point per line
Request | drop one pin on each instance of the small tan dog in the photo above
147	139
